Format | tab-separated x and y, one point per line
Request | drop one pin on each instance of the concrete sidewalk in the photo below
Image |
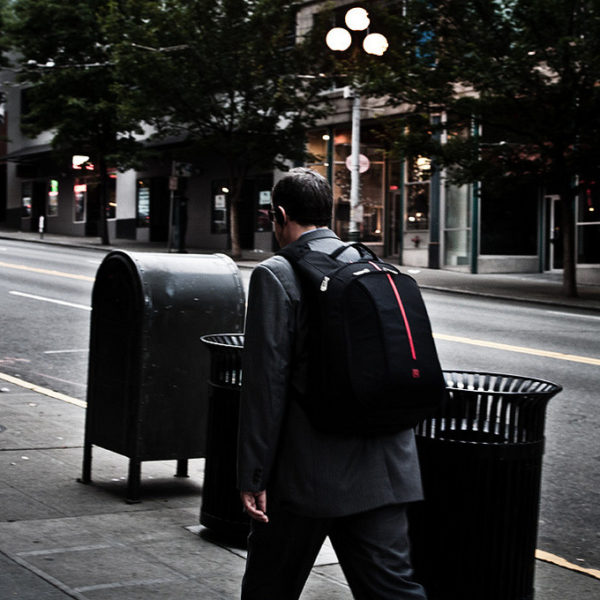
61	539
541	288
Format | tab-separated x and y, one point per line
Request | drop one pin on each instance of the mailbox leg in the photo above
86	472
133	482
182	468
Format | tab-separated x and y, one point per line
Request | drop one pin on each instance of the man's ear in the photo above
280	216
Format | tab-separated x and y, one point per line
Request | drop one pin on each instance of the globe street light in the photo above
357	19
339	39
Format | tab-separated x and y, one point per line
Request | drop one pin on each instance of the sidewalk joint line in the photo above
40	448
46	577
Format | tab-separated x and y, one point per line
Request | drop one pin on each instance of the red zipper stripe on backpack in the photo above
403	312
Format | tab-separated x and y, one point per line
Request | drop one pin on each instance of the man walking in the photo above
299	484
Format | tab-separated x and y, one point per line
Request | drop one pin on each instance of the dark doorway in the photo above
160	199
555	239
92	216
249	208
38	203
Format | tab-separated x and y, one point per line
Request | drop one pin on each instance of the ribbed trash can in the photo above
474	536
221	509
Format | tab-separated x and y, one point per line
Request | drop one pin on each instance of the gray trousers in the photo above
372	548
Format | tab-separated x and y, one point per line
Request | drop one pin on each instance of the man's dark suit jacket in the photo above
307	471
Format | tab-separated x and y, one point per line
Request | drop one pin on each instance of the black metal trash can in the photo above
147	396
474	536
221	510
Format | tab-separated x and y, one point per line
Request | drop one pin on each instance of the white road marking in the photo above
52	300
568	314
65	351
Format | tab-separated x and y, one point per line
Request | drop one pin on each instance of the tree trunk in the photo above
104	196
237	176
567	211
234	228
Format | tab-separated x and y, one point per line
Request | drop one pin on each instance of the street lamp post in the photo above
339	39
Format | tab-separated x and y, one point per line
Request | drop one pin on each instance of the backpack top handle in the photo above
365	251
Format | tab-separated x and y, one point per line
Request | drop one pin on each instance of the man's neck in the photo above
294	230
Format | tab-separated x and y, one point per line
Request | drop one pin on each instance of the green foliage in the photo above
528	72
66	67
223	74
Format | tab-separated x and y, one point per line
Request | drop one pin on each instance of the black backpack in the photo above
373	366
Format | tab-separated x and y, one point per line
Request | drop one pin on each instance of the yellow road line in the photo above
46	271
522	349
41	390
561	562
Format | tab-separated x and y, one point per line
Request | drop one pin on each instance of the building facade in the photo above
407	210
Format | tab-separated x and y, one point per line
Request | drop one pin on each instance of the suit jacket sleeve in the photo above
266	364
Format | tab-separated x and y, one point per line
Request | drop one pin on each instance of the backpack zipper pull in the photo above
324	284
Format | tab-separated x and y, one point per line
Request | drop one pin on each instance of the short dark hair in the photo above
306	197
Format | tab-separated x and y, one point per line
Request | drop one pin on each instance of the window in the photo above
418	171
457	221
111	209
79	201
26	198
588	224
330	151
143	203
509	213
219	220
52	200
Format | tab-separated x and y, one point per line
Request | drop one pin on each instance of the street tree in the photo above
65	64
3	42
524	77
228	76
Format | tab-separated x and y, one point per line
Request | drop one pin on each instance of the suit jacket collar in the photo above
315	234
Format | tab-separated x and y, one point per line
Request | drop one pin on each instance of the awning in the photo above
27	153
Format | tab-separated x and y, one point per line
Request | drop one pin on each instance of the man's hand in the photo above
255	504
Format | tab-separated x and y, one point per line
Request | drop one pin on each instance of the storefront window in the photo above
418	172
417	206
143	203
111	211
370	210
369	214
79	201
52	201
588	226
589	204
316	147
26	198
457	218
218	221
418	169
263	223
509	218
588	243
416	194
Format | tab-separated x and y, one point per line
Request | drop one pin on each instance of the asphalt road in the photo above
45	295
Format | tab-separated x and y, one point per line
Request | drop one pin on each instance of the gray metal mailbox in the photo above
147	392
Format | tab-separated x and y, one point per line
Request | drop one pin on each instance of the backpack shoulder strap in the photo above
294	252
364	251
297	250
